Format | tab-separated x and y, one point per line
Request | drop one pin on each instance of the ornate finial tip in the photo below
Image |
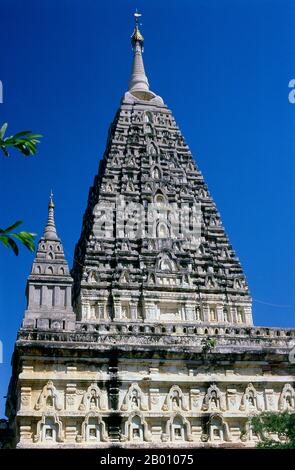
137	14
51	203
137	36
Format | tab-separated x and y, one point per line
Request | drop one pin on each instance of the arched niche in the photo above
218	429
93	399
214	399
287	398
49	430
49	398
136	429
249	400
175	400
94	429
134	399
178	429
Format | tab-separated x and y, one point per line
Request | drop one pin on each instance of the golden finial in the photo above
137	36
51	203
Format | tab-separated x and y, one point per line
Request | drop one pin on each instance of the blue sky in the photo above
222	66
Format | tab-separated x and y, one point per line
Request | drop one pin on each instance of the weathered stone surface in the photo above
161	350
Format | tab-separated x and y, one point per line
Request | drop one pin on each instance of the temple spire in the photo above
138	80
50	229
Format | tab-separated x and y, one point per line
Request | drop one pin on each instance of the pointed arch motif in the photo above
218	429
134	399
178	428
214	399
93	399
165	262
49	398
147	116
124	277
175	400
152	149
49	429
136	428
160	197
287	398
94	428
162	230
92	277
250	399
151	279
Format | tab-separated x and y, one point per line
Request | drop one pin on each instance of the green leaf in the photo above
3	130
15	136
13	226
4	240
13	246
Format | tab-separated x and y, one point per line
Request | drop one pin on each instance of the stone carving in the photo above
214	399
287	398
49	430
93	399
134	399
93	429
165	263
145	307
136	429
25	397
49	398
250	400
218	429
175	400
178	429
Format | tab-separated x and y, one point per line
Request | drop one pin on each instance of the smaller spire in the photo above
50	229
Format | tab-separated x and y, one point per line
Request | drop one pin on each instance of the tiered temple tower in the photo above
161	349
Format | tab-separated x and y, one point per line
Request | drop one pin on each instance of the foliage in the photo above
280	424
25	142
209	344
26	238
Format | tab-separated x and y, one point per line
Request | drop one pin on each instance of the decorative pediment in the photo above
93	399
178	428
218	429
250	399
166	263
49	398
136	429
93	429
49	430
175	400
214	399
124	277
287	398
134	399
